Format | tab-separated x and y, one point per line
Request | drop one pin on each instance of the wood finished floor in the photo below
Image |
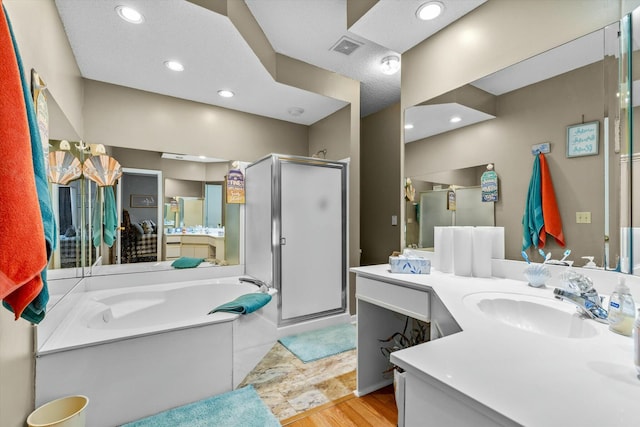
377	409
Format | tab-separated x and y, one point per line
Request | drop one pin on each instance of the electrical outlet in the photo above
583	217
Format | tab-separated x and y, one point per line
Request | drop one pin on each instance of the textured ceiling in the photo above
216	56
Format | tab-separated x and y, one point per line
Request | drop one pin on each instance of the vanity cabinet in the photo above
194	246
171	247
382	307
443	406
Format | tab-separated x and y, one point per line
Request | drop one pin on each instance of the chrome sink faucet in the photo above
582	293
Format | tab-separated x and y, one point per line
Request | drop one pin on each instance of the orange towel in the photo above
551	214
23	253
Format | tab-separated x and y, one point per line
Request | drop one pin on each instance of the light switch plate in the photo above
394	219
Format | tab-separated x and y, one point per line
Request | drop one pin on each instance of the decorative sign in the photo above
489	186
451	200
235	187
545	148
143	201
582	139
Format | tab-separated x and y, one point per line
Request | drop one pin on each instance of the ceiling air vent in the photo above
346	45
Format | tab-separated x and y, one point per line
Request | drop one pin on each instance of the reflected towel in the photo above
244	304
186	262
96	219
552	223
533	220
110	216
23	250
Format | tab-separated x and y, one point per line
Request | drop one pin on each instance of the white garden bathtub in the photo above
138	350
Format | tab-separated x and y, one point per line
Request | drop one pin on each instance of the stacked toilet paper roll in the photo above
467	251
443	247
482	246
463	251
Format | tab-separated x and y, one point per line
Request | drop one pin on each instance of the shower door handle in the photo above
283	241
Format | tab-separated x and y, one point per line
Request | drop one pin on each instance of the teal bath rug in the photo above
242	407
314	345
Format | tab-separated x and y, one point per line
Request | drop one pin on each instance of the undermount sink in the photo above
544	316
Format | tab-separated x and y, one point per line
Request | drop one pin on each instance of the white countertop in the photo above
533	379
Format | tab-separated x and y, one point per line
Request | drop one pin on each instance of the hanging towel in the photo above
244	304
533	220
96	218
36	309
110	216
23	251
552	223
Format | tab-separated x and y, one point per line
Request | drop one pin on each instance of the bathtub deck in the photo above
79	327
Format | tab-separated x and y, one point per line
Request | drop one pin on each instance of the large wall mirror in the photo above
159	201
499	119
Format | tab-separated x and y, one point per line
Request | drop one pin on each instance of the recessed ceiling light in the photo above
174	65
430	10
129	14
408	126
455	119
295	111
390	64
225	93
202	157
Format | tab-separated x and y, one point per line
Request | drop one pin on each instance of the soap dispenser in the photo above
622	310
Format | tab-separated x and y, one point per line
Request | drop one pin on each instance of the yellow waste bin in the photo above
64	412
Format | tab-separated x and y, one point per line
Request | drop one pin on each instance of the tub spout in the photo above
259	283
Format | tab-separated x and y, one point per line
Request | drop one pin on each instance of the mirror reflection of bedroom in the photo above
139	219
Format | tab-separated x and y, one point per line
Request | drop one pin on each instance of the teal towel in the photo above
186	262
35	311
96	218
110	216
533	220
244	304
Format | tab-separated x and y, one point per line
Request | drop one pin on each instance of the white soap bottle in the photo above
636	343
622	309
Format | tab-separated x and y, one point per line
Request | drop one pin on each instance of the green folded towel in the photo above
244	304
186	262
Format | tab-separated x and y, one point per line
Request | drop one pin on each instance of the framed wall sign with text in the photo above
582	139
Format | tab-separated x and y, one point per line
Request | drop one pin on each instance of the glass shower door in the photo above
311	239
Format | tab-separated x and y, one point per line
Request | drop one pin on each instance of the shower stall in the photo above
296	233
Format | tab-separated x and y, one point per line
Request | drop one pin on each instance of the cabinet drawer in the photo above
172	251
172	239
196	240
410	302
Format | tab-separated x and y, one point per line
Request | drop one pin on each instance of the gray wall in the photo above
380	194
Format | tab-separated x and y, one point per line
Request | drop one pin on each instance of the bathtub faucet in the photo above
259	283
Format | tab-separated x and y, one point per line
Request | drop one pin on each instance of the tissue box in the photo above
409	265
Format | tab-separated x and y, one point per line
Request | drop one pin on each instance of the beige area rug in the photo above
289	387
